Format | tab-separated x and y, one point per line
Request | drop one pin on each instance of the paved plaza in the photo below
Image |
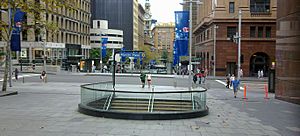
50	109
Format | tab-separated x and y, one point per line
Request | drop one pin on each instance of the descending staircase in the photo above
143	105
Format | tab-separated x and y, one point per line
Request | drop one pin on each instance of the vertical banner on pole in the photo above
182	32
104	42
15	37
175	54
123	58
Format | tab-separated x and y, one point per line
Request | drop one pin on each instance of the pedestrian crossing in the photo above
250	85
23	75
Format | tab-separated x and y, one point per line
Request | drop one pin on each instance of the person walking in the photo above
261	74
235	84
227	80
195	78
149	80
44	76
258	74
143	79
16	73
231	79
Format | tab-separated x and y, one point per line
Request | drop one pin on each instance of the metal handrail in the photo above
149	103
152	103
124	91
110	99
104	106
192	99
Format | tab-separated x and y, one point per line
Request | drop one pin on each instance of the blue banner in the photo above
181	25
15	37
175	54
141	58
181	34
103	46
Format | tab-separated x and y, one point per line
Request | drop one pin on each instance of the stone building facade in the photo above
70	44
163	36
218	20
288	51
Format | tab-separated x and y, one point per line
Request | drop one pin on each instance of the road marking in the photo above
27	75
241	88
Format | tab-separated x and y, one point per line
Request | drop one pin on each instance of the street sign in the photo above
195	62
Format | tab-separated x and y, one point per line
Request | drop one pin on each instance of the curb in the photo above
8	93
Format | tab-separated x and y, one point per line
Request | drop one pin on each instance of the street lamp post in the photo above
215	57
190	38
239	44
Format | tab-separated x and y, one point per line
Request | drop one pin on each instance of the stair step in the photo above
128	108
128	104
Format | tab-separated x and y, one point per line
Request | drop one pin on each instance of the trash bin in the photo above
271	81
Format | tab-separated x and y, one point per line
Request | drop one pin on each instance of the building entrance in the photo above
259	61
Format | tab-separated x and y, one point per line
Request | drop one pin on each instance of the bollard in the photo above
245	92
266	92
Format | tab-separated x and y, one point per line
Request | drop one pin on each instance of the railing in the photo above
134	102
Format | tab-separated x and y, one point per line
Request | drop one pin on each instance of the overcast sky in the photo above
163	10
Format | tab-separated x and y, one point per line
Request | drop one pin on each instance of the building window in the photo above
231	7
252	31
231	31
259	6
268	32
260	32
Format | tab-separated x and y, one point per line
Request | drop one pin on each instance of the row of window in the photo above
109	35
111	42
255	31
256	6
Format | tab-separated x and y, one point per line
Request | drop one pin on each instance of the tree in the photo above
95	53
38	11
149	55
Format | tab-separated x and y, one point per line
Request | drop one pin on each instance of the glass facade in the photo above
121	17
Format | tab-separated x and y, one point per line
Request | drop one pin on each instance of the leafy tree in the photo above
95	53
38	12
149	55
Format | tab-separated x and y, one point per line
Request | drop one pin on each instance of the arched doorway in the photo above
259	61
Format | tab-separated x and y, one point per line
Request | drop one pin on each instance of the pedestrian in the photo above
227	80
43	76
143	79
78	67
241	73
261	73
105	69
93	68
235	83
200	75
16	73
149	79
258	74
231	79
195	78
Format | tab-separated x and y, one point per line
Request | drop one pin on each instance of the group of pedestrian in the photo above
260	74
43	75
143	79
232	81
200	76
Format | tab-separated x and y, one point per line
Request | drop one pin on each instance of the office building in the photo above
100	30
70	44
258	36
163	36
121	15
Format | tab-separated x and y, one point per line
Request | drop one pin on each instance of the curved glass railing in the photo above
100	98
